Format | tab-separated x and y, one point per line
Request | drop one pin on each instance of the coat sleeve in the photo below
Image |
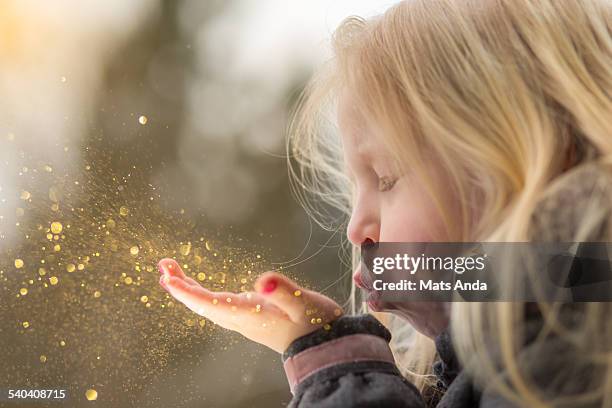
349	364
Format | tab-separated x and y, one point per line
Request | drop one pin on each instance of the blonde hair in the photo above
496	93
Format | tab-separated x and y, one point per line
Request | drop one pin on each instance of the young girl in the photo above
470	120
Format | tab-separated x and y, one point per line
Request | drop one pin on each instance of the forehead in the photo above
353	130
358	136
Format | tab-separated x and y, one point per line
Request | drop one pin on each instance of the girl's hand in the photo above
275	314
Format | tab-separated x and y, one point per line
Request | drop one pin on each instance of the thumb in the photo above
169	267
284	294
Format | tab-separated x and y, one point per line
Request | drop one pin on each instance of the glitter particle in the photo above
56	227
142	119
25	195
97	294
134	250
70	267
53	280
201	276
42	271
144	299
25	325
43	358
128	281
91	394
124	211
18	263
297	293
185	249
23	291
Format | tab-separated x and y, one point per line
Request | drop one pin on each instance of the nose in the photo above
363	225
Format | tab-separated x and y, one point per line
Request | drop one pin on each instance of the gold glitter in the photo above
53	194
337	312
110	223
258	308
62	343
18	263
25	325
201	276
319	320
97	294
134	250
128	281
185	249
228	300
327	326
25	195
207	245
297	293
91	395
42	271
43	358
53	280
142	119
313	321
23	291
54	207
220	277
80	267
124	211
49	236
70	267
144	299
56	227
202	323
215	301
57	247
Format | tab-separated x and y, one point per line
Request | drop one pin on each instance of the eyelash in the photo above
386	183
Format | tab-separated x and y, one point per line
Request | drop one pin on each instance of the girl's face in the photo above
388	207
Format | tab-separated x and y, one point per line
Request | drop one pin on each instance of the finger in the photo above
170	267
215	305
284	293
191	281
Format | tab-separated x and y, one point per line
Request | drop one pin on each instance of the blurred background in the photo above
191	97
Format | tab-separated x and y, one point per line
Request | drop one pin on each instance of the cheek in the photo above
409	217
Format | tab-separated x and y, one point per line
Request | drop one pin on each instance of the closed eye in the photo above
386	183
